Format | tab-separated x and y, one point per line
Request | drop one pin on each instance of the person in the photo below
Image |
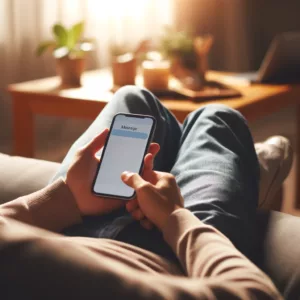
188	234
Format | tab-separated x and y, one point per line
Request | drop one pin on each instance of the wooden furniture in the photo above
46	97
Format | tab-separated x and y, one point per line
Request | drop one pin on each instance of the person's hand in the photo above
82	172
157	196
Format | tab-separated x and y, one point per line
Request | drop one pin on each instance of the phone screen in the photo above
125	149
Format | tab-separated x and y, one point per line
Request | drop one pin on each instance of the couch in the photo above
278	235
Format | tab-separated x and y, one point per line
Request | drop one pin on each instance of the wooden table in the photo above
46	97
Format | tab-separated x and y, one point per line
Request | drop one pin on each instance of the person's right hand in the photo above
81	174
156	198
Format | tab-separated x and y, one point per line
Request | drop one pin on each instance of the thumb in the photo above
97	142
133	180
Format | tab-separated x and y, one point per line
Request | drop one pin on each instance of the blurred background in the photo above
242	30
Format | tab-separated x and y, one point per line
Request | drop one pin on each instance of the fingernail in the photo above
126	173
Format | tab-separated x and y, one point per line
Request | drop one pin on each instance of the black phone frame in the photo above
105	146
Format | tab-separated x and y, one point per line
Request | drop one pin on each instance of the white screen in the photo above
124	152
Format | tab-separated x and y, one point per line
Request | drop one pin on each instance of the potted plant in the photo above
123	64
188	54
69	50
124	61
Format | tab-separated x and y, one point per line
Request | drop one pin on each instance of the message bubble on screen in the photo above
130	134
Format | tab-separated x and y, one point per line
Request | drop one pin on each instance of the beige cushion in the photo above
278	250
20	176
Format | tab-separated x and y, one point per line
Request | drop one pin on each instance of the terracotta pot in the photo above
70	70
124	70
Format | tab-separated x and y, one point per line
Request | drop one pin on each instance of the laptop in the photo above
281	64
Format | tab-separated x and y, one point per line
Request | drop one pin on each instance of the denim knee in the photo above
218	111
132	95
128	90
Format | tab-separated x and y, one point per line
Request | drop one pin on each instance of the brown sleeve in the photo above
206	253
52	208
59	268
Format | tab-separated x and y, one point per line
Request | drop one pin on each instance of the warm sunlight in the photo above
129	8
131	18
119	8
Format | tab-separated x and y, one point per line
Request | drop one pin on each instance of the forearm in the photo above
79	271
207	254
52	208
56	267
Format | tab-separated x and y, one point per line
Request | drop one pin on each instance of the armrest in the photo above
20	176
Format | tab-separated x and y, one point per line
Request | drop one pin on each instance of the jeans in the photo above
212	157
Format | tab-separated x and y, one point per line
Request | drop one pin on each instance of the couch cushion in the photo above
20	176
278	250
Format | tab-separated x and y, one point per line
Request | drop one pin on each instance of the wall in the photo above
265	19
243	29
225	20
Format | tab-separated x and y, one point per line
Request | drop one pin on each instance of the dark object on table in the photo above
211	90
281	63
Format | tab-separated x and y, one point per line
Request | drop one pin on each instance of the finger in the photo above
149	158
148	162
133	180
97	142
138	214
154	149
132	205
147	224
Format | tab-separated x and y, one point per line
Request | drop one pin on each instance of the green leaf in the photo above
75	34
44	46
61	35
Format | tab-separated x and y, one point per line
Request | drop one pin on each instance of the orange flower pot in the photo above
70	70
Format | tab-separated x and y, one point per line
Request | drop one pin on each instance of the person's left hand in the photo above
82	171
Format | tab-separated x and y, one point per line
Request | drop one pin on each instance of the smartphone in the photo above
126	145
